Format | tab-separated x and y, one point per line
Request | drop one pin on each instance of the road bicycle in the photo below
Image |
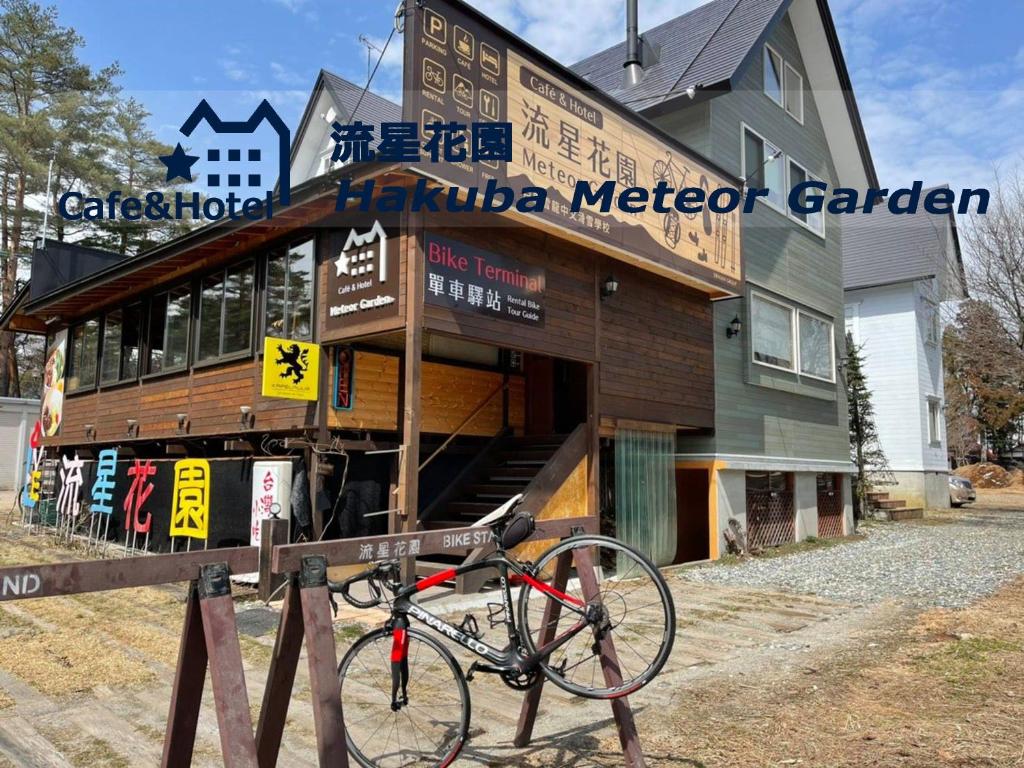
404	695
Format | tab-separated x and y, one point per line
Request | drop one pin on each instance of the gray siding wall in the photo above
761	411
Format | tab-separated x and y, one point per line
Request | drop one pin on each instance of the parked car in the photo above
960	491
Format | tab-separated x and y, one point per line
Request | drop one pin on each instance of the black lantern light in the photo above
609	286
735	328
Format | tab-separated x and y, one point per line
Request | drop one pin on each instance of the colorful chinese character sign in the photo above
33	468
291	369
138	492
271	494
68	500
102	489
190	511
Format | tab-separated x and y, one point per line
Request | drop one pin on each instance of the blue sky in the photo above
940	83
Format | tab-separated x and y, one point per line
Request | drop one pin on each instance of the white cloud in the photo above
286	75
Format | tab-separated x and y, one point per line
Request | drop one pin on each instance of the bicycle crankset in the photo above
521	681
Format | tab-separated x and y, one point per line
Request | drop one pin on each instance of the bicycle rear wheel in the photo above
428	729
632	616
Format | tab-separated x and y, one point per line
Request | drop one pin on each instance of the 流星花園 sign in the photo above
468	279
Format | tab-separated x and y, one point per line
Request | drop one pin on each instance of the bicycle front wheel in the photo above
626	602
427	726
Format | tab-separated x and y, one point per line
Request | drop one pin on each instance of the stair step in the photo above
505	489
528	454
890	503
473	510
909	513
500	474
538	440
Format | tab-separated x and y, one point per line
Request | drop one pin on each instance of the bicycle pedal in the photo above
495	614
470	627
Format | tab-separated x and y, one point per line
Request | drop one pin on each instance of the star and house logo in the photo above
237	187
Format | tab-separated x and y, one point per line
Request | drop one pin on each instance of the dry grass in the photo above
5	700
947	691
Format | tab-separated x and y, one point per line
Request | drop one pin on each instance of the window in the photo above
773	75
288	309
772	333
932	331
813	221
225	313
794	93
168	330
934	421
82	354
763	166
816	348
120	355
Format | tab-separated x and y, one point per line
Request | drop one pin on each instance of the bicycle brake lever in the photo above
334	604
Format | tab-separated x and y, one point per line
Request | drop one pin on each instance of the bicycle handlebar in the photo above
343	588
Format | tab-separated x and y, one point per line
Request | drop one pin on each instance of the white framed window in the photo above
817	347
773	75
794	92
934	420
772	333
813	221
930	317
763	165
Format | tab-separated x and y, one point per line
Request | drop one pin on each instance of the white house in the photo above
899	270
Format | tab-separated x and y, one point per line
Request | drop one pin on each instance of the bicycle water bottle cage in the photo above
470	627
495	614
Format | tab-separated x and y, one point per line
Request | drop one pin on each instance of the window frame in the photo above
801	313
189	333
934	421
282	252
140	306
744	128
98	319
786	69
196	315
793	340
789	183
769	52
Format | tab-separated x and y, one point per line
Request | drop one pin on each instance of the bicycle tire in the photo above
632	683
355	711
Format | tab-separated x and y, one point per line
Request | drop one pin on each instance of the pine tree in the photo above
865	449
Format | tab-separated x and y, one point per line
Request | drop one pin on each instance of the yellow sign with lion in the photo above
291	369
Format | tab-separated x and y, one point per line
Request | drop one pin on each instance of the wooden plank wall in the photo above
211	397
450	393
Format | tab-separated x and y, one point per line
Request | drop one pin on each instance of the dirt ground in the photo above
757	678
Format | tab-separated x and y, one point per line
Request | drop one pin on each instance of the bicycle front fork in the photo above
399	663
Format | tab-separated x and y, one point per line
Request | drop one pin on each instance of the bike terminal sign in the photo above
462	67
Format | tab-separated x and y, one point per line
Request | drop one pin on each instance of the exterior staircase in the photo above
892	509
505	472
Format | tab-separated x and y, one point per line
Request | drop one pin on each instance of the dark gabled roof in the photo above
709	49
373	109
9	311
702	48
882	248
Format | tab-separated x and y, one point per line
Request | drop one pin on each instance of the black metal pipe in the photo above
632	34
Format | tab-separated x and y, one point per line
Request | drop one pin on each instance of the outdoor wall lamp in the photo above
248	418
182	423
735	328
133	427
90	431
609	287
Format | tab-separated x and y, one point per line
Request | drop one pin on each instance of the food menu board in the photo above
461	67
53	384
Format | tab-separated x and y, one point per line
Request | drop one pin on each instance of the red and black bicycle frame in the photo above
512	659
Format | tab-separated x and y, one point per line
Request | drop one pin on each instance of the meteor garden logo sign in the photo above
249	195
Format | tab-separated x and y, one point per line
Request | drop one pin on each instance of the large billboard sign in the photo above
461	67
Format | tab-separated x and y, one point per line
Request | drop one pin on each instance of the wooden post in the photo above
231	699
273	532
187	692
280	678
408	481
593	440
323	663
549	626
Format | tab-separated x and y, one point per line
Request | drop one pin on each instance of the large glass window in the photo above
82	355
816	348
289	295
225	313
763	167
772	332
815	221
794	93
168	330
120	355
773	75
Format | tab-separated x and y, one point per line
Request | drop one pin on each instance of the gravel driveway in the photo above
948	562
